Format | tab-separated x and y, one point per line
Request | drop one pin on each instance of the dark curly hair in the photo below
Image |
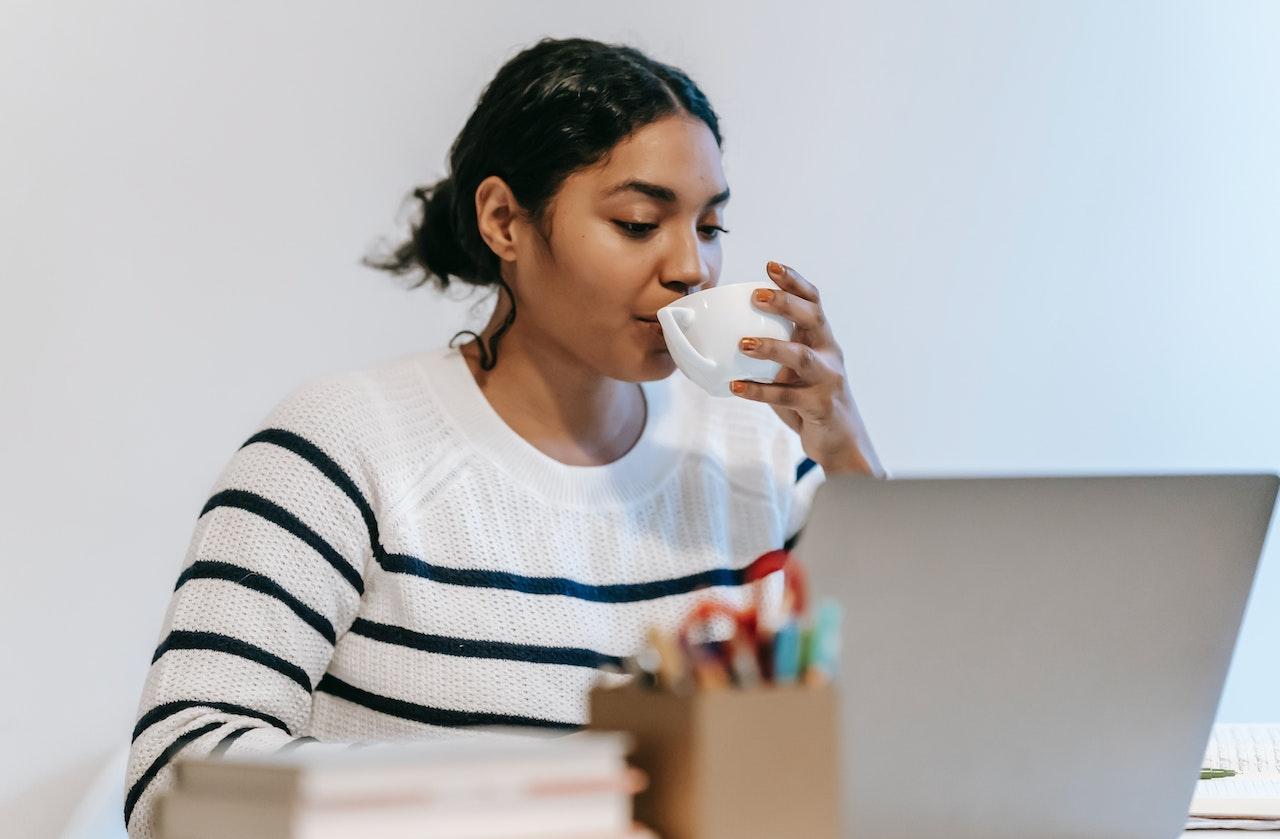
557	107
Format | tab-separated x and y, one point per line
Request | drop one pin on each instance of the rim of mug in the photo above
719	288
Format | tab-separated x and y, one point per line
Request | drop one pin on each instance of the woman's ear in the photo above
496	214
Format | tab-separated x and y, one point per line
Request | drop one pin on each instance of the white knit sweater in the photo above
387	559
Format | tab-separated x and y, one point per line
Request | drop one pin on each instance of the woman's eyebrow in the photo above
665	194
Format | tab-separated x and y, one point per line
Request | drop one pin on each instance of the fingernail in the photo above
764	295
775	269
748	343
737	387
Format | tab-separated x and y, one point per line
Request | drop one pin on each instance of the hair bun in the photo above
436	244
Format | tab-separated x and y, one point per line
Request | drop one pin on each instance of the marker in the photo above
806	649
786	653
742	663
764	655
825	643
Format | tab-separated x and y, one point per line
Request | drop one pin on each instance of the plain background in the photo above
1046	234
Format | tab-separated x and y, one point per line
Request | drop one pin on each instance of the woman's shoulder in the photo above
373	412
388	384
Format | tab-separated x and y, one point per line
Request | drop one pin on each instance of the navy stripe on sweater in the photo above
425	714
404	564
609	593
791	543
225	742
328	467
212	570
472	648
295	743
185	639
168	709
274	513
140	786
802	469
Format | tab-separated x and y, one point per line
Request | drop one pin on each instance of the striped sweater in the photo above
385	558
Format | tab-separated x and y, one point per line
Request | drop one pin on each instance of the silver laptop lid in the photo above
1031	657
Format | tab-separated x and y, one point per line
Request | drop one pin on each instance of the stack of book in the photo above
1240	784
574	786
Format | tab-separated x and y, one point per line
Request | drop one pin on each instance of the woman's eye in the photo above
638	230
635	228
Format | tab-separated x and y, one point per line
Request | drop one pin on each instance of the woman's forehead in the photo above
672	160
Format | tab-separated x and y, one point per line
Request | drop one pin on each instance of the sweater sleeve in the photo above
805	476
272	578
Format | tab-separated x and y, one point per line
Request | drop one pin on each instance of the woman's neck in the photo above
571	414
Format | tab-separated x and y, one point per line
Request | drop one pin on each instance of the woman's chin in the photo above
658	365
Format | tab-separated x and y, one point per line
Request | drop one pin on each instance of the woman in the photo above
463	537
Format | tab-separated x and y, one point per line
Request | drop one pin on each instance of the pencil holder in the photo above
731	764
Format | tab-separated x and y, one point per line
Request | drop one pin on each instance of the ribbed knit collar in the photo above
634	476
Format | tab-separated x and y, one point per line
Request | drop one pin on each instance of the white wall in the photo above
1046	233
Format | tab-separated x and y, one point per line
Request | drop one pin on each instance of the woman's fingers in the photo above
809	365
797	302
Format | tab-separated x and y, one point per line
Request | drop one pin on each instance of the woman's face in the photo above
627	237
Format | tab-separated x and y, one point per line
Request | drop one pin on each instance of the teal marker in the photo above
825	651
786	653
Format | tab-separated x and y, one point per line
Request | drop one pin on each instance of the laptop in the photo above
1031	657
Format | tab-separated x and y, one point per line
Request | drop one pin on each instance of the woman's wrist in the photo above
853	462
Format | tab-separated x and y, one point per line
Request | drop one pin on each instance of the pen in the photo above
1206	773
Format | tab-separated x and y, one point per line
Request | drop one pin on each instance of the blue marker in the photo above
786	653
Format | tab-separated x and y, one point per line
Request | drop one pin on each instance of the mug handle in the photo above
672	320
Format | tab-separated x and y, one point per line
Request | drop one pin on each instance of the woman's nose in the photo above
687	268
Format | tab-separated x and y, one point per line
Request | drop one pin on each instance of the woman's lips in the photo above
650	326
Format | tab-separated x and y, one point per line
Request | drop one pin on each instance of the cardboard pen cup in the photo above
740	763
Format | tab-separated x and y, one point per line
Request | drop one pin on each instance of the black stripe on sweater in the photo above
293	744
277	515
183	639
425	714
471	648
213	570
802	469
168	709
791	543
612	593
140	786
328	467
225	742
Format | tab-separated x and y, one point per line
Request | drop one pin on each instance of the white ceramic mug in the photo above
702	333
